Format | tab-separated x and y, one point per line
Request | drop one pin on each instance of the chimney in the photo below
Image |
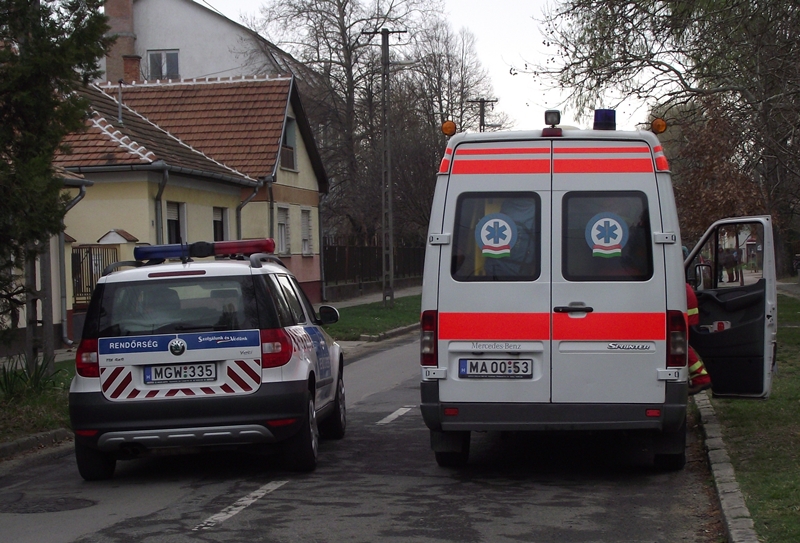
132	68
120	19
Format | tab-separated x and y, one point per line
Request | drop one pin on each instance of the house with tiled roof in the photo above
198	160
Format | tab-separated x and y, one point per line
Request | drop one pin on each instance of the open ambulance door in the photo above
732	270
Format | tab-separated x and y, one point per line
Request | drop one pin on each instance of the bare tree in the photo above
674	53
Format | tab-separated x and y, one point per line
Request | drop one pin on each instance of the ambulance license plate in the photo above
495	369
180	373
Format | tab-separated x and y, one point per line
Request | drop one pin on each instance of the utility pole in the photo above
387	222
482	102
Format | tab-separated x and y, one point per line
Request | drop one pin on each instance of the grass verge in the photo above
373	319
763	439
28	411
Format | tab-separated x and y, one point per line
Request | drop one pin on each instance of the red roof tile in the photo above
209	115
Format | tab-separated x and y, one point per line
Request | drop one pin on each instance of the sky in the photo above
506	35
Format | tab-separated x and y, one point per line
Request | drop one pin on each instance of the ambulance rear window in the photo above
497	237
606	237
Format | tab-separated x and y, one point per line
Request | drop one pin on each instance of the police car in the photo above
191	353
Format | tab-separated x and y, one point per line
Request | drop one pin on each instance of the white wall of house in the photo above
209	45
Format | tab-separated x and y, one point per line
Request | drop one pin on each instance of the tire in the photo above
334	426
669	462
301	450
94	465
670	450
455	459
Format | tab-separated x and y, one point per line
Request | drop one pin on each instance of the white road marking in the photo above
399	412
239	506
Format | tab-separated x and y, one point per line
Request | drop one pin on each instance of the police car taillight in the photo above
86	359
429	338
276	348
200	249
676	339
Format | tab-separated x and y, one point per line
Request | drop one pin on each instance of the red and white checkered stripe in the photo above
239	377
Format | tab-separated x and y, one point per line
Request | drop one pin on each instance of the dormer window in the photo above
163	64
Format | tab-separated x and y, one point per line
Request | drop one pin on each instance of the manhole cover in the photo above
19	504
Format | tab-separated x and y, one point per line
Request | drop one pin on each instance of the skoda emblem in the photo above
177	346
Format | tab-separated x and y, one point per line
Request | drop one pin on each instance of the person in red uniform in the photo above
698	376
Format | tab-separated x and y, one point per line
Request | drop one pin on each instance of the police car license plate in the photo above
495	369
180	373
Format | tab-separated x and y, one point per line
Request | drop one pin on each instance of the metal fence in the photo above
359	264
88	263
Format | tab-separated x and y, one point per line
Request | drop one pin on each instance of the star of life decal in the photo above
606	235
496	235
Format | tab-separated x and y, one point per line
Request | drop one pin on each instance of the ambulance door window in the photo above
497	237
606	237
732	257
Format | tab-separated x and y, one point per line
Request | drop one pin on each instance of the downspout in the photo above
62	276
246	201
270	181
159	213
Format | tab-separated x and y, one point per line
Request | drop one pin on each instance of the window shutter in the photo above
172	211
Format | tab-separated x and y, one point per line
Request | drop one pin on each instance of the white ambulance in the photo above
554	292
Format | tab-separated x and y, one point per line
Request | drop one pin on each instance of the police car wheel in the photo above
452	459
300	451
94	465
333	427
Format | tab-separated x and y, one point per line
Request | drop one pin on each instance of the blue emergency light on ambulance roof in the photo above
201	249
605	119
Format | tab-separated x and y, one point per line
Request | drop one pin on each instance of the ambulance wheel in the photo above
300	451
455	459
94	465
333	427
670	462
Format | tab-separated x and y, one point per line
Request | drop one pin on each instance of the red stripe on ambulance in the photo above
494	326
610	327
501	166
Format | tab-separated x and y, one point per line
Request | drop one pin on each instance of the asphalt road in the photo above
380	483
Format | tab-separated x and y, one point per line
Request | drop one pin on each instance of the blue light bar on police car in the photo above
605	119
201	249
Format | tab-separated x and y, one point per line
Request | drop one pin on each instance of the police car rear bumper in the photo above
192	421
552	416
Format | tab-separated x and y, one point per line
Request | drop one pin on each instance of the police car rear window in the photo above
606	237
182	305
497	237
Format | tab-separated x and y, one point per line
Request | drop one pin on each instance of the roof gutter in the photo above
62	269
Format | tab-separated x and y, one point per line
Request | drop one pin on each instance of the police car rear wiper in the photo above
195	327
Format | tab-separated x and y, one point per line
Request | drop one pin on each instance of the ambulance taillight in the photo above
429	338
676	340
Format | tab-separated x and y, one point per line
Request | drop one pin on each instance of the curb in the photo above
36	441
391	333
735	514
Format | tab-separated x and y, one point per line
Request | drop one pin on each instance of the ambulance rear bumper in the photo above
474	416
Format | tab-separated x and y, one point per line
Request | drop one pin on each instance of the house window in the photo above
220	223
163	64
305	227
288	145
176	222
282	243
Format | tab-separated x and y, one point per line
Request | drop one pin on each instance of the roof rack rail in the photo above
132	263
257	258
